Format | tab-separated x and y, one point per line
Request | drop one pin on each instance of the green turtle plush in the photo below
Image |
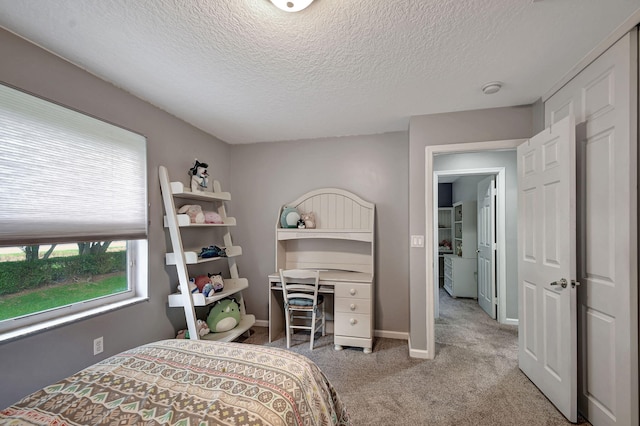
223	316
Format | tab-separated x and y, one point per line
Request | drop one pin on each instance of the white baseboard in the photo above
261	323
400	335
510	321
418	353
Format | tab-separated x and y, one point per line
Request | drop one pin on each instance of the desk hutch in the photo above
342	248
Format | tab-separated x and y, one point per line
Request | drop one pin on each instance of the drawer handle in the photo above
352	291
352	306
353	321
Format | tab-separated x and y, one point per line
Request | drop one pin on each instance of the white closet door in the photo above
603	98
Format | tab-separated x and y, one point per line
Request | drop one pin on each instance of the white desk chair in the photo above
300	294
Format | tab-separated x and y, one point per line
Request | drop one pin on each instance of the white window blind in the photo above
66	176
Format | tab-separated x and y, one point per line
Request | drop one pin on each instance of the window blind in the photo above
66	176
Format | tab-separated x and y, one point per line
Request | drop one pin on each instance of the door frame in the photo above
501	238
431	214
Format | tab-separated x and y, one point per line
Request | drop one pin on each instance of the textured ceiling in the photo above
245	71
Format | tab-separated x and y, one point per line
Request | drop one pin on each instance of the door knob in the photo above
562	282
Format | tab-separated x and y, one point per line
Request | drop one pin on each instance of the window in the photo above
74	214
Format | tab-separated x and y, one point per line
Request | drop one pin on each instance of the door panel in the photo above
603	98
486	245
546	254
529	319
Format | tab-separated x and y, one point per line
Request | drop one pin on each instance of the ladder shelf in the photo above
181	258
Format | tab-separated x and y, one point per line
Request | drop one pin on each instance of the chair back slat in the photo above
300	293
300	284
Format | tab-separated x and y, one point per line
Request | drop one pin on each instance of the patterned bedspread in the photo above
185	382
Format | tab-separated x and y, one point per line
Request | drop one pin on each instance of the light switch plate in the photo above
417	241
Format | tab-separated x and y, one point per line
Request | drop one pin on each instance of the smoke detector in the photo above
492	87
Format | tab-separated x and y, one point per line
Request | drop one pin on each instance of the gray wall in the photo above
440	129
478	160
35	361
266	176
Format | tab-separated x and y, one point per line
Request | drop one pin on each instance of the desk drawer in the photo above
362	291
351	304
354	325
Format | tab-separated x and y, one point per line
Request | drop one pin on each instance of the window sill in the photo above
67	319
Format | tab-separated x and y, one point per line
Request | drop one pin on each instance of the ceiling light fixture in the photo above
291	5
492	87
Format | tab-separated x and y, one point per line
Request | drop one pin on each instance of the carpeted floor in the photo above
474	379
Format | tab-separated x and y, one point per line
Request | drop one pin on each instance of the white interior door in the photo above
487	245
603	99
547	330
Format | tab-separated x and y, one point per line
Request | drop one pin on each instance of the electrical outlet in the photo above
98	345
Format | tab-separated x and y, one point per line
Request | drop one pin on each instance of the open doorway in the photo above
431	250
467	237
470	166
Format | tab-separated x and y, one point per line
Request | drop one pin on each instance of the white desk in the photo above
352	305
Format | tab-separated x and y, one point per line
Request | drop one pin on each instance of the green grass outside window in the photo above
48	297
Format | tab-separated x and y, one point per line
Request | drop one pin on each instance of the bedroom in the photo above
378	167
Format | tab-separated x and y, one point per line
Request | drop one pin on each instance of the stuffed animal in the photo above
309	220
207	284
289	217
212	251
201	326
194	211
197	215
200	281
199	176
212	217
223	316
217	282
192	286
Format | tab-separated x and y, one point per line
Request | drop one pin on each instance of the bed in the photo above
188	382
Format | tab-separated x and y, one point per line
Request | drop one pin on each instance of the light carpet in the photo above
473	380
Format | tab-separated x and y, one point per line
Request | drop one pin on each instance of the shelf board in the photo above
336	234
185	222
231	286
179	190
191	256
246	322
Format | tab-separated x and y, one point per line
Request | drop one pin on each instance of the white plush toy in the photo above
194	211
